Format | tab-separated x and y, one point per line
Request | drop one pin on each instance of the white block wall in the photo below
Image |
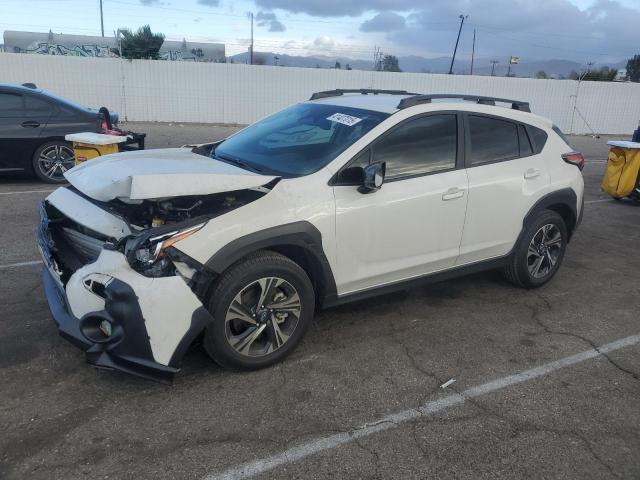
144	90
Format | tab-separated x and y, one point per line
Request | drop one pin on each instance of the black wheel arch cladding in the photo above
563	201
301	241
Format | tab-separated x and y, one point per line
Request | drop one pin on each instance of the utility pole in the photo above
251	47
473	50
101	19
462	17
575	96
493	66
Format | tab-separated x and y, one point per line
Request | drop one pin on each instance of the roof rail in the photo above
363	91
419	99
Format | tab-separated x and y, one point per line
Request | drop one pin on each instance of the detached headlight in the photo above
147	253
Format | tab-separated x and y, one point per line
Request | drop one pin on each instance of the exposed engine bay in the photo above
144	214
154	225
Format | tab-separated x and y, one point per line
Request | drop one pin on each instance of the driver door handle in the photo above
453	193
532	173
30	124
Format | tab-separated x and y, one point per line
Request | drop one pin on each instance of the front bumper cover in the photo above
126	354
144	313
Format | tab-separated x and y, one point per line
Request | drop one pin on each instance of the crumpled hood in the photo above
163	173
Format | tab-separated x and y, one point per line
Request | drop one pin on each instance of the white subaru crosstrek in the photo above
347	195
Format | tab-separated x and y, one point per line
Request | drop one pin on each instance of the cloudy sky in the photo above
580	30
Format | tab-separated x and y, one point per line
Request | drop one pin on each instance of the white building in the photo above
94	46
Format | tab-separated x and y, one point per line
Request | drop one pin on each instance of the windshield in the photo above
298	140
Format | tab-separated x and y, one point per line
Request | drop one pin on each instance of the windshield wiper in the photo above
236	161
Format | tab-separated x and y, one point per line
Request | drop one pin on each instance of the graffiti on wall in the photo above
194	55
89	50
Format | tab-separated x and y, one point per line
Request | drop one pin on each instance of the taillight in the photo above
574	158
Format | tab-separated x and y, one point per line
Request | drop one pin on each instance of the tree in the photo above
348	67
605	74
141	44
633	68
337	66
542	74
390	64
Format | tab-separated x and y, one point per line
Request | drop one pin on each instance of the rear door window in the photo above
11	105
36	107
492	139
525	144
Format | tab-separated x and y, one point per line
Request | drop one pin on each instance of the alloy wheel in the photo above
262	316
544	250
54	160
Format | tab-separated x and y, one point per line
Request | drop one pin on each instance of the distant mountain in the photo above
413	63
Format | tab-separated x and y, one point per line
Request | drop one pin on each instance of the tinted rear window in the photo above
525	145
11	105
36	106
492	139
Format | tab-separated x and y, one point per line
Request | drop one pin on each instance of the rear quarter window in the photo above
538	138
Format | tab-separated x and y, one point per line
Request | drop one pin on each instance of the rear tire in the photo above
52	159
539	251
262	307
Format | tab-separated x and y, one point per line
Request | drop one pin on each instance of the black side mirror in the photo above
372	177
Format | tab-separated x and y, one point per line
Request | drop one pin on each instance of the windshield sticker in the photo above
347	120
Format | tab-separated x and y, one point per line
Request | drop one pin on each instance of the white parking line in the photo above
18	192
317	445
20	264
587	202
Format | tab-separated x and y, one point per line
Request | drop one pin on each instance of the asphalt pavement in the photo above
546	381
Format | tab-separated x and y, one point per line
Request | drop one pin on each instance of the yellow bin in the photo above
88	145
623	166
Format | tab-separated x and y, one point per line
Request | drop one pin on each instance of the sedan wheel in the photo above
52	160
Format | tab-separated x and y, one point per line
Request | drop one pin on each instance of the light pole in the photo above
473	50
101	19
455	49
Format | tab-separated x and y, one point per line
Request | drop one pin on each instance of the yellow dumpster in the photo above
88	145
623	165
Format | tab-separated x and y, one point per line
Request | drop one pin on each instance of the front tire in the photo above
539	251
262	307
52	159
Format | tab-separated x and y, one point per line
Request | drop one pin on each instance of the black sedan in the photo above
33	124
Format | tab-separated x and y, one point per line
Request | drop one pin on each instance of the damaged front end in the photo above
115	283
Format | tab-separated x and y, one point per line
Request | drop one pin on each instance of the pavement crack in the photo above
595	455
535	315
370	451
522	426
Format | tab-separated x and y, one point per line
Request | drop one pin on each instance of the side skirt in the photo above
463	270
